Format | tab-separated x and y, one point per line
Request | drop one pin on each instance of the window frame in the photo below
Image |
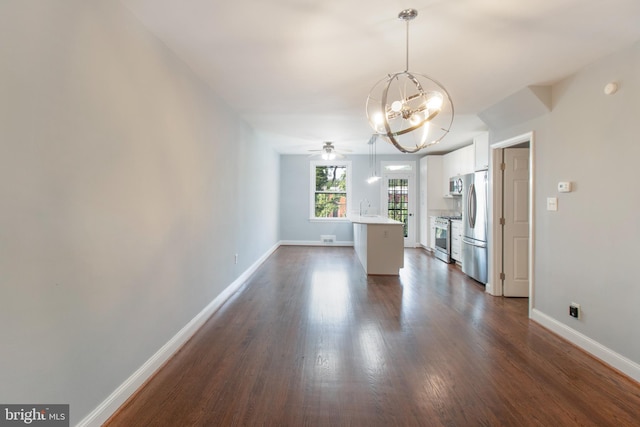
313	164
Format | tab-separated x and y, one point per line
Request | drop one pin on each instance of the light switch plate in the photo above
552	203
564	187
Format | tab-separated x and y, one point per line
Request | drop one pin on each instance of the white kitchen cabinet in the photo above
455	163
481	151
456	241
431	196
432	233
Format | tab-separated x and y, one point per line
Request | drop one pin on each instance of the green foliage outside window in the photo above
331	192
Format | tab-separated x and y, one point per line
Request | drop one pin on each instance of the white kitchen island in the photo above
379	244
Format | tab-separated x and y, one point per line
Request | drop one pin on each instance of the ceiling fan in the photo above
329	152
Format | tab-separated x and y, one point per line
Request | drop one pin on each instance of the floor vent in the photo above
327	239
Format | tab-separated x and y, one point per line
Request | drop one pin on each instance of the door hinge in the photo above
503	166
502	221
502	277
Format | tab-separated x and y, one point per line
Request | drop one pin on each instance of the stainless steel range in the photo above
442	250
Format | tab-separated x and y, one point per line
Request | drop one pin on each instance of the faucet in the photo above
367	208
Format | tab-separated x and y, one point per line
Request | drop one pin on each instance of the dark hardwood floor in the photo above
310	340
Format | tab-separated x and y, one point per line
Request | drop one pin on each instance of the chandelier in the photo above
412	111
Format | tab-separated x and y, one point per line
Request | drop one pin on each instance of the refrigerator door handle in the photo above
467	206
476	244
471	206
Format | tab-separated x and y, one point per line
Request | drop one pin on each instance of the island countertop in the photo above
379	243
372	219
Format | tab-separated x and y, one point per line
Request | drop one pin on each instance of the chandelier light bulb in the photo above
435	101
377	122
396	106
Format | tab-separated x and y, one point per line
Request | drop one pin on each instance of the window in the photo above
330	189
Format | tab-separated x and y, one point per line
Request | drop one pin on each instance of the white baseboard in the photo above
313	243
610	357
111	404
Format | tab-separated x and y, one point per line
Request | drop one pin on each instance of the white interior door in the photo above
516	222
397	198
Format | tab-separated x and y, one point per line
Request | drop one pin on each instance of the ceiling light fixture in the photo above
412	111
329	152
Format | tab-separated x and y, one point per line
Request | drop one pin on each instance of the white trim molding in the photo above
312	189
120	395
315	243
605	354
495	202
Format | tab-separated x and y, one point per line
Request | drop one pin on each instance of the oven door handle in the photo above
478	245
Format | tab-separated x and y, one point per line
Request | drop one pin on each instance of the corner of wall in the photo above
115	400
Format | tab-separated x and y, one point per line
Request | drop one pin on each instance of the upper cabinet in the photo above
481	146
459	162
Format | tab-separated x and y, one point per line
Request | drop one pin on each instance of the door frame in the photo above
494	287
411	239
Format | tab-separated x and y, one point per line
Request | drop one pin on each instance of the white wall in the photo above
586	252
126	189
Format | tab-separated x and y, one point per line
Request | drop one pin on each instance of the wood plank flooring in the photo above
310	340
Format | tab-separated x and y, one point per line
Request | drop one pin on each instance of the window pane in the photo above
331	178
398	201
331	205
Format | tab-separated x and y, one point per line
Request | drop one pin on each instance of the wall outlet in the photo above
574	310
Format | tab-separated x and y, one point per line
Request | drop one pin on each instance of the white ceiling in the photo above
299	71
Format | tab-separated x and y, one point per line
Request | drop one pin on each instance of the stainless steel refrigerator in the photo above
474	219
